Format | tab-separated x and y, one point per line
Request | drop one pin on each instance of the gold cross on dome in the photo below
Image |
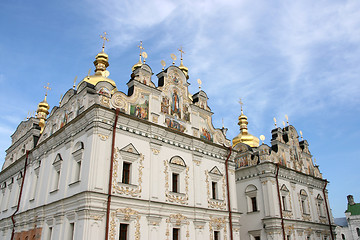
105	39
241	104
47	88
141	47
181	51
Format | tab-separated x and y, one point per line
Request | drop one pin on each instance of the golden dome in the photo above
245	136
101	63
137	65
184	69
42	112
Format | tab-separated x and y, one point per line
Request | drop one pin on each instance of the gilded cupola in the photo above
101	63
139	63
43	110
245	136
182	67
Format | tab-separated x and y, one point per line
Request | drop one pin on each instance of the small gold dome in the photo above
137	65
101	63
245	136
42	112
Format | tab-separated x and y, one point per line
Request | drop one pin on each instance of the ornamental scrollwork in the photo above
126	189
178	220
176	197
215	203
128	213
217	224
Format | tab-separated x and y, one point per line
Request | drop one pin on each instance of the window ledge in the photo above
31	200
306	214
74	183
129	185
54	191
177	194
287	210
253	212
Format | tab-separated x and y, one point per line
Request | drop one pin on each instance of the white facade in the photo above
168	174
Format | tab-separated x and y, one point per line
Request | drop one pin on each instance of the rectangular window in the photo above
123	231
257	238
56	180
284	202
303	206
216	235
175	182
49	233
214	190
77	171
71	231
176	234
253	204
288	237
126	173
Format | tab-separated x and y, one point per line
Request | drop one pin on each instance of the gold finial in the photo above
199	82
262	138
283	123
275	121
315	161
241	104
141	49
173	57
28	116
222	122
47	89
144	55
105	40
74	82
301	135
287	119
88	76
60	99
163	64
181	54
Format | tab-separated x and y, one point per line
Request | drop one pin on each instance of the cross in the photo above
47	88
241	104
105	39
141	47
181	51
74	82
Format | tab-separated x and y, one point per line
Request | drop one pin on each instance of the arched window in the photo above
177	166
358	231
343	236
251	197
320	205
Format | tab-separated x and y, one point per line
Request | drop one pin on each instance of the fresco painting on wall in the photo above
173	124
205	134
141	108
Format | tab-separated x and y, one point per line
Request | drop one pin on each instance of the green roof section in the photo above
354	209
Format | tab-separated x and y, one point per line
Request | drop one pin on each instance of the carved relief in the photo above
176	197
103	137
125	189
215	203
128	213
217	224
177	220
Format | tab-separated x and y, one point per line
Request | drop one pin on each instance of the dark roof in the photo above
341	222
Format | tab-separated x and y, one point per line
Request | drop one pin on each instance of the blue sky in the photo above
299	58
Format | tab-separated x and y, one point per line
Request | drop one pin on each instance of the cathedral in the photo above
149	164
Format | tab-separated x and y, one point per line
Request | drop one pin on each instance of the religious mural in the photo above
104	91
65	119
175	104
165	103
171	123
186	113
205	134
141	108
242	162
